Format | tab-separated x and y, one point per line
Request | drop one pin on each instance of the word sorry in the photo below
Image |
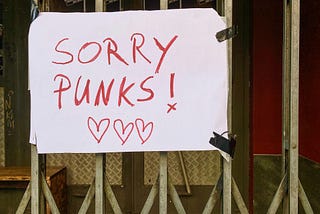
123	131
137	40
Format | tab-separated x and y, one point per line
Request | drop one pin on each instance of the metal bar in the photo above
175	198
280	193
35	181
220	7
163	183
111	197
47	193
227	165
25	200
285	95
99	193
184	172
100	158
99	5
214	196
84	6
227	186
238	198
163	172
294	108
163	4
304	200
88	199
150	200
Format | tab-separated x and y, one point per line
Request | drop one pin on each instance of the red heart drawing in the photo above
144	131
122	131
98	129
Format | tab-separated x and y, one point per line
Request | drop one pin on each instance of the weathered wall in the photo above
16	18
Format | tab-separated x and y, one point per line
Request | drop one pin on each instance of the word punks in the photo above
90	51
85	90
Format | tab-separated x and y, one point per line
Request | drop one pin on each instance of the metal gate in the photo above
146	175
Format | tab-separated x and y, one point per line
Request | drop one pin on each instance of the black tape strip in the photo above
224	144
227	33
34	10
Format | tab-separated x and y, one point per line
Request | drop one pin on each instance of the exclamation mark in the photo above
171	106
172	85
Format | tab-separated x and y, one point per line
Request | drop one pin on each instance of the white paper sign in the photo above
127	81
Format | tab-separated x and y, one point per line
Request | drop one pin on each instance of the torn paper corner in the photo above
33	138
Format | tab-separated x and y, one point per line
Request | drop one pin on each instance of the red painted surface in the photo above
310	80
267	78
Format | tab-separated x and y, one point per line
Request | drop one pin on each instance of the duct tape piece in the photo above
34	10
224	144
227	33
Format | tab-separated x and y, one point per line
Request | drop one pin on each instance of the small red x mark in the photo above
171	107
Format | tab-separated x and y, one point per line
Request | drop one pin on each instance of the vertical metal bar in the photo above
37	199
35	180
163	174
84	6
220	7
163	182
227	165
163	4
294	107
99	195
100	158
285	83
226	198
285	95
99	5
